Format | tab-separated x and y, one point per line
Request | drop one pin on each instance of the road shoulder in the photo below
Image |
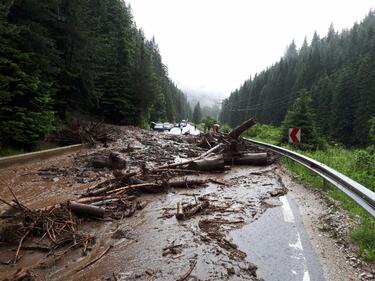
338	261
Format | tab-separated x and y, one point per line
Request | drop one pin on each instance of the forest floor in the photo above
229	238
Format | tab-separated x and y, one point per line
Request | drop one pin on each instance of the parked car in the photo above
159	127
183	123
167	126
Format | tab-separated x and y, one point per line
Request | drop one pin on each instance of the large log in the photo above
251	159
188	161
105	202
236	132
86	210
89	200
186	183
212	164
229	157
133	187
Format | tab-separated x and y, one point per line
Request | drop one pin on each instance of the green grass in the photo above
358	164
266	133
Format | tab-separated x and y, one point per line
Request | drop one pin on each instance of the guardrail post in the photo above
325	185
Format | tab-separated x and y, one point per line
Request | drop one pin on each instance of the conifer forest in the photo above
336	72
64	59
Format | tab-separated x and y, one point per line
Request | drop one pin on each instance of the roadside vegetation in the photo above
358	164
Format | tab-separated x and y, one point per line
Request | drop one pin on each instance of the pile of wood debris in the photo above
56	229
90	133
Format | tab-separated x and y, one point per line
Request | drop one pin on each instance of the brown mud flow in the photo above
126	211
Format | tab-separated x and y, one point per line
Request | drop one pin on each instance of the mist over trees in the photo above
71	58
197	113
337	72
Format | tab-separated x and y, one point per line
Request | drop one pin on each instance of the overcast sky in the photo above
215	45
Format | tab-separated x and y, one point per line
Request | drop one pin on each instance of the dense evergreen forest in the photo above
62	59
338	74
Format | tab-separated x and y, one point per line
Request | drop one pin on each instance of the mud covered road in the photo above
259	224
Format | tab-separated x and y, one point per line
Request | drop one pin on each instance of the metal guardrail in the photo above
360	194
8	161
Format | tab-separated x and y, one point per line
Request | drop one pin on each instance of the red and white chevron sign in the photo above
294	135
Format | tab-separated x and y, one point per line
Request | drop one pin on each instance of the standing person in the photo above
217	127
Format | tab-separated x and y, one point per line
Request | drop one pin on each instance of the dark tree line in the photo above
337	72
64	58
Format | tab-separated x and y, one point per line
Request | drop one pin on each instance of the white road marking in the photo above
297	245
306	276
287	211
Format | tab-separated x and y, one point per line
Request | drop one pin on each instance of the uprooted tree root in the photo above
45	230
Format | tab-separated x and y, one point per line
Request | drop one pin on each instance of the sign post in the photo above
294	135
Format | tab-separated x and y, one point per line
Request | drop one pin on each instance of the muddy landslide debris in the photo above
129	165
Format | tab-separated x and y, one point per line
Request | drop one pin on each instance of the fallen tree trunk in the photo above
133	187
89	200
188	161
236	132
186	183
229	157
86	210
105	202
248	159
213	164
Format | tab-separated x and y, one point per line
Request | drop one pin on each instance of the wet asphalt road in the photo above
277	242
279	245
